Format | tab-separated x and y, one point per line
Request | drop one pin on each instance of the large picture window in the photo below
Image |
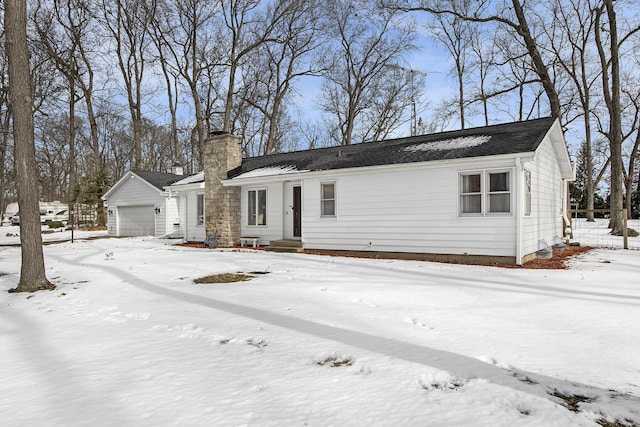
257	207
328	199
486	192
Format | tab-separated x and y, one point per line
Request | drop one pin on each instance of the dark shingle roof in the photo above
509	138
159	179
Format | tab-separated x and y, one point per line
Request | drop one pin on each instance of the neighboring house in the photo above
488	194
137	205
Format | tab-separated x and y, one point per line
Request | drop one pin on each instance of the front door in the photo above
297	212
292	219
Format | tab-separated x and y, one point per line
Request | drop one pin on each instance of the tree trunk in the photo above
32	273
539	65
611	91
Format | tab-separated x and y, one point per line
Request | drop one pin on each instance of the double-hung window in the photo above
328	199
485	193
257	207
499	197
471	193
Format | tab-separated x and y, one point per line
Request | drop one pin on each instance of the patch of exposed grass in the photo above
616	423
224	278
334	361
573	400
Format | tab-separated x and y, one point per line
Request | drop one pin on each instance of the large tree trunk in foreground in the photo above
32	273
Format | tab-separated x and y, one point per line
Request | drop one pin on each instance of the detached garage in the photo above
137	204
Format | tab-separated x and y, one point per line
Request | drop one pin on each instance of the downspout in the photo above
518	209
567	230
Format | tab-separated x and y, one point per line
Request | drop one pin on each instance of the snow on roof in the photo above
198	177
270	171
449	144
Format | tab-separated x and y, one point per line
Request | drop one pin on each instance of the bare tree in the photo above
274	67
611	92
455	35
32	272
127	22
153	10
185	32
369	43
67	33
513	16
5	119
573	47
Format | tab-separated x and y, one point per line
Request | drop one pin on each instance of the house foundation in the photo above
223	152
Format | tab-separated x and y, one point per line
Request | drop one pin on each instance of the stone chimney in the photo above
222	153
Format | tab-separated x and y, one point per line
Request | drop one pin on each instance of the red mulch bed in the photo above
556	262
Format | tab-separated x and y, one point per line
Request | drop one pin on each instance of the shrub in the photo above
55	224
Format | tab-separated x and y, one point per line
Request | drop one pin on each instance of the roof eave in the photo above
239	181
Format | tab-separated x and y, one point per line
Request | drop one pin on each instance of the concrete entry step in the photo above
290	246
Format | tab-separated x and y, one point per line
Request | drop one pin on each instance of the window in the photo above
200	209
527	192
257	207
328	199
499	195
484	193
470	193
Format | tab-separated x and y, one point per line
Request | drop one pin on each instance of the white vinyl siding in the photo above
545	219
396	211
193	216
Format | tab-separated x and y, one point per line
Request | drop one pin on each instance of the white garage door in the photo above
136	220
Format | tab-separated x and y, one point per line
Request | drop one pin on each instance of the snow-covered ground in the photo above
10	235
128	339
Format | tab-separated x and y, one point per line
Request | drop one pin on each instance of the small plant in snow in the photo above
442	382
108	256
258	343
333	360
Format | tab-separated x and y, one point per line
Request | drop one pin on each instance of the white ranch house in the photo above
488	194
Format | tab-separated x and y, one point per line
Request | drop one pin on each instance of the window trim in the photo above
485	193
498	192
257	207
528	185
461	176
335	199
199	209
